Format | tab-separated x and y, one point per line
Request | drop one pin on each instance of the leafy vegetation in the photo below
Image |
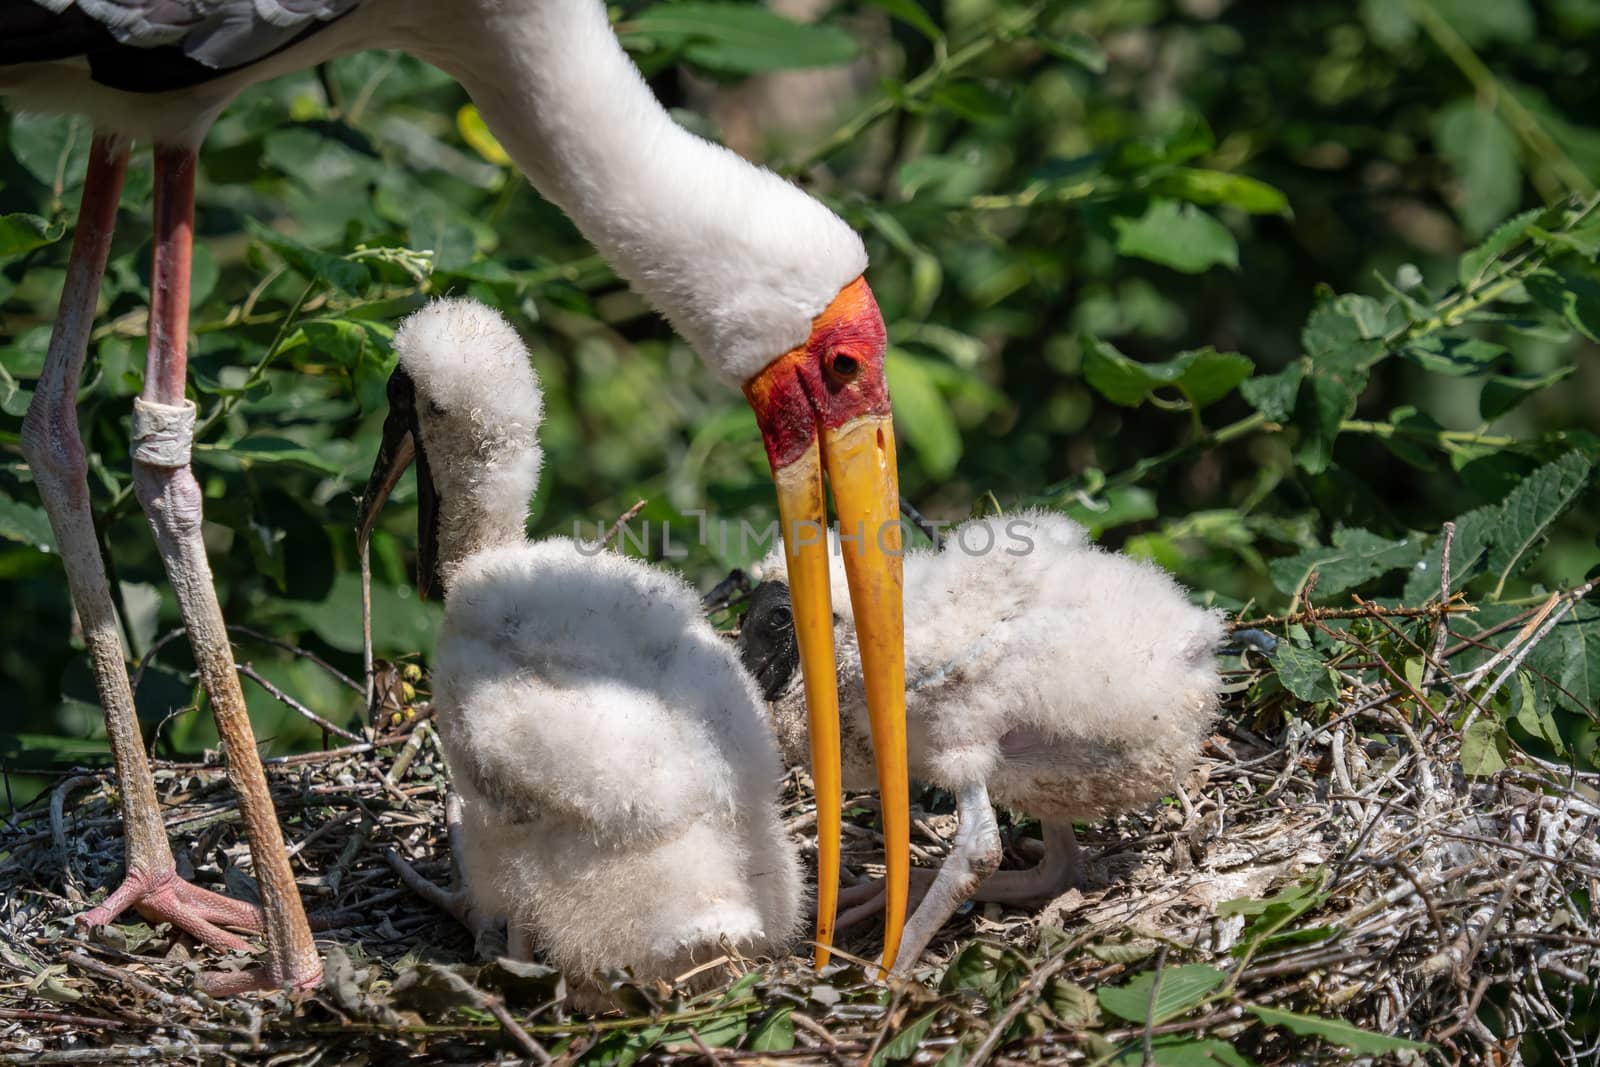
1266	294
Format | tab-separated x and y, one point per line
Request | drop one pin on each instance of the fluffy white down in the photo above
1076	683
618	777
480	405
620	783
738	259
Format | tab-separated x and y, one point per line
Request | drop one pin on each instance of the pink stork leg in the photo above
163	431
54	450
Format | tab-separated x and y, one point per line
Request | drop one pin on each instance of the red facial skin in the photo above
815	386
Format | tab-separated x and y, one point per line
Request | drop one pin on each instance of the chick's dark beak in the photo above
401	446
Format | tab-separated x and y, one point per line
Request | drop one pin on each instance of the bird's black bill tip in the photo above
399	448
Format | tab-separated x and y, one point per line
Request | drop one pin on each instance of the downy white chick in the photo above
618	779
1042	673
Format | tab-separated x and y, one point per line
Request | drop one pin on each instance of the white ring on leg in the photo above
163	434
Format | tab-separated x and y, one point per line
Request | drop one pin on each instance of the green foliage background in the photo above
1207	275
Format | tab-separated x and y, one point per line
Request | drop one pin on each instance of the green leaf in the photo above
1356	556
926	419
1533	714
972	101
1502	393
1203	377
1072	1004
264	448
911	13
1274	394
1481	24
21	232
1505	237
1484	748
53	148
1304	673
1335	1032
1474	533
738	38
1181	989
1455	357
1569	657
1574	297
1180	236
775	1033
1211	375
1585	241
1390	24
903	1046
14	399
1075	47
1181	1050
1532	507
26	524
1339	323
1484	155
1119	507
1222	187
341	273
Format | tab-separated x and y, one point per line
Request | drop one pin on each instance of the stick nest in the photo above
1331	878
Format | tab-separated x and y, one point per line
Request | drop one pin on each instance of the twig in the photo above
83	961
297	652
150	655
58	808
250	672
514	1030
1150	1008
1367	610
699	1043
1025	996
623	520
1442	625
402	762
366	634
1567	600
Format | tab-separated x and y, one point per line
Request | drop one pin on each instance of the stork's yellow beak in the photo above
825	407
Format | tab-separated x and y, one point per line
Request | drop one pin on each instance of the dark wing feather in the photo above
148	46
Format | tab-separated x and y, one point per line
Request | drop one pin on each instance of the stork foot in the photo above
163	897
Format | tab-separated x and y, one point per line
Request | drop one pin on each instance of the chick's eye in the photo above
843	367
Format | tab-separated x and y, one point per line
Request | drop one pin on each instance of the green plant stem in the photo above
1004	29
1522	121
1445	438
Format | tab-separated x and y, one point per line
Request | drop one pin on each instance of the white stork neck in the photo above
737	258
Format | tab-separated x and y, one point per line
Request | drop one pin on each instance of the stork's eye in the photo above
843	367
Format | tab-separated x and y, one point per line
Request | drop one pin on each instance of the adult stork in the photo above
765	282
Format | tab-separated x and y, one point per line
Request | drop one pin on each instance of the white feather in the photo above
1075	683
618	777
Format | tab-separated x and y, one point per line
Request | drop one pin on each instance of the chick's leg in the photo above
488	941
972	859
1061	869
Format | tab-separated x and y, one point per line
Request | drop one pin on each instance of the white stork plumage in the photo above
765	282
1043	674
618	778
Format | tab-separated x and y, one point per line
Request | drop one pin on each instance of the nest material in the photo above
1344	870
